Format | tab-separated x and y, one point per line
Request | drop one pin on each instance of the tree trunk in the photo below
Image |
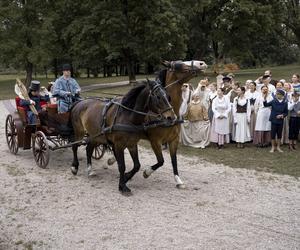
131	72
109	70
46	73
29	70
88	72
55	68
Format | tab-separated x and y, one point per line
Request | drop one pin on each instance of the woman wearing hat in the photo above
35	99
66	90
278	112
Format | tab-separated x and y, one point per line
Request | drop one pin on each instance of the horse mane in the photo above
161	76
129	99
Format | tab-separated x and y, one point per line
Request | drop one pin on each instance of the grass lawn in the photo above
7	82
250	157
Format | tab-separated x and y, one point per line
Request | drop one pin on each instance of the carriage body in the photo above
42	137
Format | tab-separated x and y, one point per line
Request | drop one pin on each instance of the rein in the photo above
135	111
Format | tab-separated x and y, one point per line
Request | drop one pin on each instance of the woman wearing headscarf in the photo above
195	131
186	98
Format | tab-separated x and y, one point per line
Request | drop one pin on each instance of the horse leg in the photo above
156	146
136	163
119	154
75	162
173	153
89	152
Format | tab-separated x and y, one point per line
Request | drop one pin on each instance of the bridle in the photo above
155	92
174	68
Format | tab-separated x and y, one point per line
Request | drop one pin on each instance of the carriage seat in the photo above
21	110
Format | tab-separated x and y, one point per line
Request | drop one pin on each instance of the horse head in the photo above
183	71
158	101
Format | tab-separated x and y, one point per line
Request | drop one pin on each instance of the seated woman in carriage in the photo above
35	99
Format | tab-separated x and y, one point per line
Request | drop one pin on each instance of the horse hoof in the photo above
125	191
74	170
91	173
111	161
181	186
126	194
145	174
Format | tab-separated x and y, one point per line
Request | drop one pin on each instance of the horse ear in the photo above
148	84
166	64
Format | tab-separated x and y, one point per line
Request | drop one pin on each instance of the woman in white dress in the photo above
262	133
241	111
252	94
220	125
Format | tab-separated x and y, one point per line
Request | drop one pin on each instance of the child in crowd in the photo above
278	112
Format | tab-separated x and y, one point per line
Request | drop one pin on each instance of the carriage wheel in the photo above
98	152
40	149
11	134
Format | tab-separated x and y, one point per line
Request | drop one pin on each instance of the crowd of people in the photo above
264	112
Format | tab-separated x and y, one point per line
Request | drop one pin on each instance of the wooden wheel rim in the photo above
98	152
11	135
40	149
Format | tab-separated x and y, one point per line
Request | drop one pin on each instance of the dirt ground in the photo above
221	208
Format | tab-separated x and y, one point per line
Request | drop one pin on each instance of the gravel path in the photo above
222	208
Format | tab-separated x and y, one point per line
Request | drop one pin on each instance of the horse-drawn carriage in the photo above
43	137
148	111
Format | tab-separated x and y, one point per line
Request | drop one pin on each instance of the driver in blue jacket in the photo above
66	90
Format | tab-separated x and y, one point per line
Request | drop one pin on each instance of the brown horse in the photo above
172	78
120	124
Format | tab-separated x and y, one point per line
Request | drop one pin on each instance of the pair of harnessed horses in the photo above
148	111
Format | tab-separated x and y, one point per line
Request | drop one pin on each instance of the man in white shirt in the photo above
265	81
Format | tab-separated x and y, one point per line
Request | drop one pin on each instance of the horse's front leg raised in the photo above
119	154
156	146
89	152
173	145
136	163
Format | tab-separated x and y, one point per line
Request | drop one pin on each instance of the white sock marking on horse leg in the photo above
179	182
149	171
90	170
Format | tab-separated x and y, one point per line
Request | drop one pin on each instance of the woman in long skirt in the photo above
241	118
252	94
220	125
262	133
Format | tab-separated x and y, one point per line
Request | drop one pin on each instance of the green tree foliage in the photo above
121	34
25	34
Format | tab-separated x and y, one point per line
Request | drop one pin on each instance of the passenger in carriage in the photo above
35	99
66	90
